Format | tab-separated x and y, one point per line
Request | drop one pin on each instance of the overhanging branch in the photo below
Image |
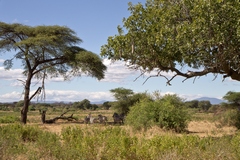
189	74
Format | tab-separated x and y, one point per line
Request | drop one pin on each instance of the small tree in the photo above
125	99
85	104
167	112
122	96
46	52
233	98
121	93
192	104
234	101
106	105
204	105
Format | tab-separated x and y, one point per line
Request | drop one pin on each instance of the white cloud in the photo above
118	72
61	95
190	97
16	78
183	96
11	74
10	97
73	96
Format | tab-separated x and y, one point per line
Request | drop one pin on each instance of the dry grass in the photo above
200	128
206	128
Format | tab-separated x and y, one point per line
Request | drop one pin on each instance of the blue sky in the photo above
93	21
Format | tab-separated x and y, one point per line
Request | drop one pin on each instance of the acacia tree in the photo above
189	38
122	95
233	98
126	98
47	52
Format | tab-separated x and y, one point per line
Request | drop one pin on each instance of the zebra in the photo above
87	118
118	118
102	119
90	119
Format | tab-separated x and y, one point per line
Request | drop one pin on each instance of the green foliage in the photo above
4	108
167	36
233	98
19	103
47	52
121	93
85	105
16	139
201	105
106	105
192	104
125	99
204	105
172	113
230	117
143	115
32	108
167	112
30	142
9	119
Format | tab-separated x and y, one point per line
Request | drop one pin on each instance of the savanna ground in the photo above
202	126
205	138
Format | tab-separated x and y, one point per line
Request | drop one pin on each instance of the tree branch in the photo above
37	92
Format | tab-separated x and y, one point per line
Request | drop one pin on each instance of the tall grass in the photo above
110	142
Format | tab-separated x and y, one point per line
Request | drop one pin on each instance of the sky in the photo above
93	21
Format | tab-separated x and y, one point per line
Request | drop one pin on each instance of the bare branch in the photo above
38	91
23	82
140	76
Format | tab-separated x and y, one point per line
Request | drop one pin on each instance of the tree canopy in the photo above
233	97
126	98
121	93
47	52
189	38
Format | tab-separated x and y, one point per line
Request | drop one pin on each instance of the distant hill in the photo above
98	102
212	100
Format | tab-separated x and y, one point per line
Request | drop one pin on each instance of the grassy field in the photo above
205	139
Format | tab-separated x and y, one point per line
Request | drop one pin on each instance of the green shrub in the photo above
111	142
9	119
168	112
230	117
143	115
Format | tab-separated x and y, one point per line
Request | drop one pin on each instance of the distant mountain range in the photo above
212	100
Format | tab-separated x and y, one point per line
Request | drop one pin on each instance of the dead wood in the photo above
49	121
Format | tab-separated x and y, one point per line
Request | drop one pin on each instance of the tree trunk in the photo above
43	116
26	99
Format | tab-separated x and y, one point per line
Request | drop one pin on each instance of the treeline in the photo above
83	105
87	105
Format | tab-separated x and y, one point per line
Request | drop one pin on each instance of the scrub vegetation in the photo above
156	127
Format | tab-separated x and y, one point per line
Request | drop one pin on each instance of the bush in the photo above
142	115
230	117
9	119
168	112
